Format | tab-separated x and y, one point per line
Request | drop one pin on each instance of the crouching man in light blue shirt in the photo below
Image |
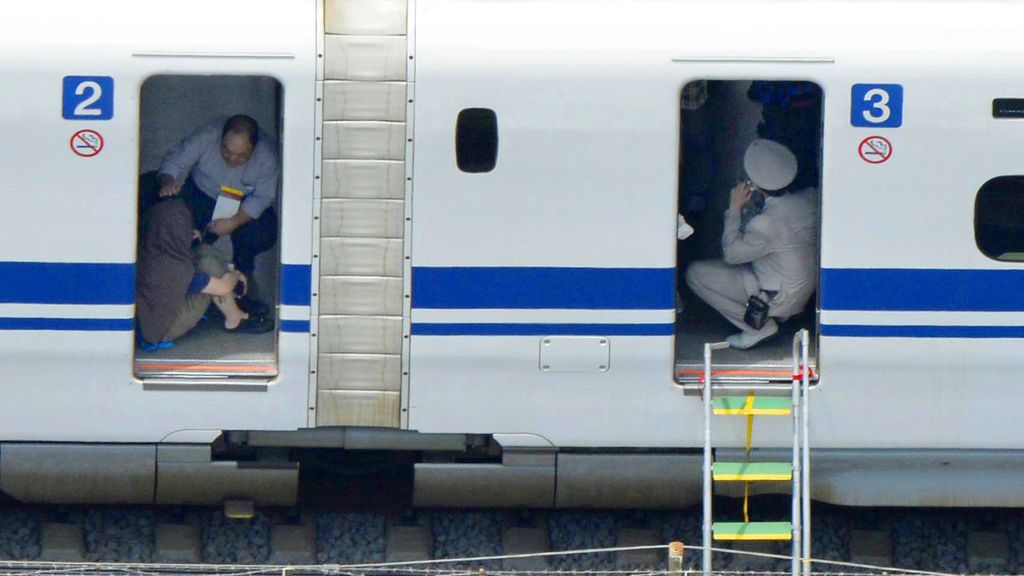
233	158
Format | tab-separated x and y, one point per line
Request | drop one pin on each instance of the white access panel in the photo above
575	354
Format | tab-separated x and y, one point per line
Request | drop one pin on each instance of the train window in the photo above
208	260
476	140
999	218
1008	108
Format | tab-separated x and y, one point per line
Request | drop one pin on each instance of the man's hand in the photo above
683	230
225	226
739	195
168	186
221	226
244	282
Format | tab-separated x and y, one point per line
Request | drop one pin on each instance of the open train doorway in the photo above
208	261
750	227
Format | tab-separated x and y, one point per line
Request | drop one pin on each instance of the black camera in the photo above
756	314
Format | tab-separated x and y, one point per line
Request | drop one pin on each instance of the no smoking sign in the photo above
86	143
875	149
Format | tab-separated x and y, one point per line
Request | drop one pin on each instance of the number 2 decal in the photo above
88	98
876	105
96	92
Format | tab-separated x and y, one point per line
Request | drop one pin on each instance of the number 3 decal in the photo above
88	98
877	105
879	100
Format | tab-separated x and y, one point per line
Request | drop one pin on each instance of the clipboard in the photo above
228	202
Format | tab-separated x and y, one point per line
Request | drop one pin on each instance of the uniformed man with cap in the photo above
769	246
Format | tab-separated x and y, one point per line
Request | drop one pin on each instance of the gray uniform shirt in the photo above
199	154
781	246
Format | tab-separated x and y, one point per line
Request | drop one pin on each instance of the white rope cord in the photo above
828	562
502	557
503	572
208	569
417	566
630	548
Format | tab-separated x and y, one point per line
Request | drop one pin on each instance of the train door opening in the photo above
209	161
725	256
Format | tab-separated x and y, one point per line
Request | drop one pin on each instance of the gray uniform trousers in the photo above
725	287
778	253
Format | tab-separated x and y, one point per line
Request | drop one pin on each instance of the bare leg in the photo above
233	315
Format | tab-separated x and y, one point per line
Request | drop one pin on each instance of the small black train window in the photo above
999	218
476	140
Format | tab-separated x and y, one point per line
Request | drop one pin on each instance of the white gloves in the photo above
683	230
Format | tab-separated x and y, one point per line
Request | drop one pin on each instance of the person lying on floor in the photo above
176	283
769	245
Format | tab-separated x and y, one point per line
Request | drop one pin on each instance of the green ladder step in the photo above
751	471
752	530
753	405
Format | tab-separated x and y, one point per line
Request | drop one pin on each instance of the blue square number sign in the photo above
88	98
876	105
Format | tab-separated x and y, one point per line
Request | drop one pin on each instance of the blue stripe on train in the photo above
106	284
66	283
552	288
296	285
890	289
876	331
500	329
652	289
68	324
106	324
301	326
538	288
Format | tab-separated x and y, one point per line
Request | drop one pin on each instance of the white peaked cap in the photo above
769	165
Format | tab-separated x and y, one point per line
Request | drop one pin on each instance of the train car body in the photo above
427	302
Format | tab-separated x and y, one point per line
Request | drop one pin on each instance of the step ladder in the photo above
736	400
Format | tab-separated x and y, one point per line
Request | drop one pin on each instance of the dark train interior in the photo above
718	120
171	108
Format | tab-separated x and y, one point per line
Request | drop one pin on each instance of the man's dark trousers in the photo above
247	240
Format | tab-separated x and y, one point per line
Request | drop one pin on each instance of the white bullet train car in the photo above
478	264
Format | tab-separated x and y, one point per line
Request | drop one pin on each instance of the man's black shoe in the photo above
252	325
253	307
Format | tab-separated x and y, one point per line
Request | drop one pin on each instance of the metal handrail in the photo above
805	446
800	505
796	514
706	391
